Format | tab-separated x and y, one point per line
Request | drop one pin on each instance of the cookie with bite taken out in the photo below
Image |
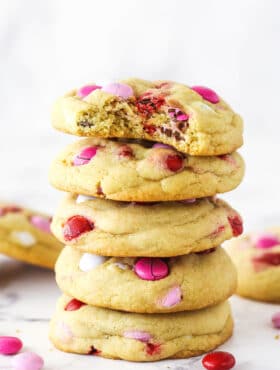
194	120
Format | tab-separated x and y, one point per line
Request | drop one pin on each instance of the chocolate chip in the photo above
181	125
85	124
168	132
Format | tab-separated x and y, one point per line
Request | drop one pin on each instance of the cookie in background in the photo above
25	235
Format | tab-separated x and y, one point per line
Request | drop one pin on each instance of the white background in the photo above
49	47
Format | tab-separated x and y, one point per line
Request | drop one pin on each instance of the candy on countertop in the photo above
10	345
218	360
27	361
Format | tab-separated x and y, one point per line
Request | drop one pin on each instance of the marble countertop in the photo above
27	300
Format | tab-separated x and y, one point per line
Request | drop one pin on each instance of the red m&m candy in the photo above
218	361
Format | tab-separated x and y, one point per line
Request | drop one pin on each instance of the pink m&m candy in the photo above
85	156
27	361
10	345
86	90
207	94
122	90
151	268
41	223
172	297
140	335
266	241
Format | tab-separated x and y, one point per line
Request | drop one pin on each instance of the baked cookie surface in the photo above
195	120
130	171
25	235
90	330
257	259
147	285
164	229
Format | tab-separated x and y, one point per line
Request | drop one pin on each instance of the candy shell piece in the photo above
90	261
236	224
85	156
74	305
86	90
207	94
121	90
188	201
42	223
276	320
218	361
267	240
151	268
162	146
172	298
83	198
10	345
142	336
27	361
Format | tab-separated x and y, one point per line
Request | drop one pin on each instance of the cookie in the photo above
147	285
85	329
25	235
129	171
195	120
164	229
257	259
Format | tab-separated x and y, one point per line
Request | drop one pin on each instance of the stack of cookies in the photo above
143	275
